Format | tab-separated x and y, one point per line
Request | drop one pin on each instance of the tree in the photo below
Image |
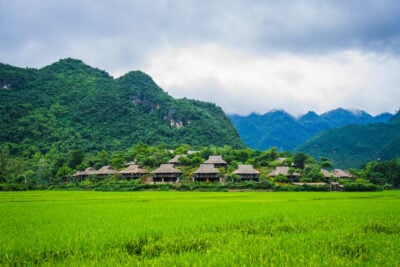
316	175
103	157
281	178
43	170
4	163
325	163
76	158
299	160
64	173
10	168
117	160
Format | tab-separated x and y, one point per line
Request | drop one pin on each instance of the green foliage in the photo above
280	178
315	174
279	129
299	160
70	107
353	145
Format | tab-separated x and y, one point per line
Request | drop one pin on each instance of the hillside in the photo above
353	145
280	129
69	105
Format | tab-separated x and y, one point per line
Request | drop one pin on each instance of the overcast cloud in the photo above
242	55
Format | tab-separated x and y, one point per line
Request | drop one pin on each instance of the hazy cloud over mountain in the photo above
243	55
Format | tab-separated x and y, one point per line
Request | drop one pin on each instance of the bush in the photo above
361	187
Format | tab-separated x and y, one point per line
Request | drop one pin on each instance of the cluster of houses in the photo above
207	172
169	173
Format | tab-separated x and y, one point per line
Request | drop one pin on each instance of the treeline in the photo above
55	169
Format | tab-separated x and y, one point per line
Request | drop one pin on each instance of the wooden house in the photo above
206	173
247	173
133	171
292	177
166	173
217	161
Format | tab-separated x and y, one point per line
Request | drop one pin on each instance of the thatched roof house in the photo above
166	173
105	171
217	161
336	174
294	177
87	172
175	160
247	172
206	173
133	171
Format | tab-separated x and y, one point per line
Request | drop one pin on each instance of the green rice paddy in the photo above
51	228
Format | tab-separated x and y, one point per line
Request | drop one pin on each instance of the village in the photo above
213	170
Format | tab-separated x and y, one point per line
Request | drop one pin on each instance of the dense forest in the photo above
353	145
69	105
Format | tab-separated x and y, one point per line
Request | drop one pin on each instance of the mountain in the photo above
280	129
70	105
353	145
275	128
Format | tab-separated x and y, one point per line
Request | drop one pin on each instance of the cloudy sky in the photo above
245	56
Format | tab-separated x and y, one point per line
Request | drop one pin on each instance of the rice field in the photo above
60	228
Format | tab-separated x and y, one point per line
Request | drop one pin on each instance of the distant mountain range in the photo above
353	145
70	105
281	130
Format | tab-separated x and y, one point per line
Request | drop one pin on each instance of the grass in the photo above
199	229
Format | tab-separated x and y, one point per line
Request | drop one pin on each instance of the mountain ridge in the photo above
71	105
352	145
278	128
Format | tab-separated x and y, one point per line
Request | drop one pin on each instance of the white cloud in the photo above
243	55
241	83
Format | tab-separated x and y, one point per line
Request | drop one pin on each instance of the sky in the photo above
244	55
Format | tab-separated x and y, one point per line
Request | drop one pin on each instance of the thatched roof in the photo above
246	169
90	170
337	173
167	168
175	160
86	172
79	173
327	174
134	168
206	168
106	170
215	160
282	170
341	173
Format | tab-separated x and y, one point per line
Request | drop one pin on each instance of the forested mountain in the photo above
353	145
69	105
280	129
